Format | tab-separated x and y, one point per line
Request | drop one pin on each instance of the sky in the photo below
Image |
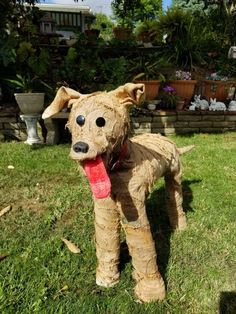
98	6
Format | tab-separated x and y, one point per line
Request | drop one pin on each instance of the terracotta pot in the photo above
180	105
184	89
92	33
151	88
217	89
122	33
30	103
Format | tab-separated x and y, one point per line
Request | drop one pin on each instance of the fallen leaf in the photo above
58	293
5	210
71	246
3	256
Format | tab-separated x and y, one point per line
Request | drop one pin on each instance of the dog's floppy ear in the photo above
63	98
130	93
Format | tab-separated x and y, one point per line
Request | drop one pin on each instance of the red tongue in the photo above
98	178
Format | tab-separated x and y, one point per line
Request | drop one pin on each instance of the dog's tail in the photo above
185	149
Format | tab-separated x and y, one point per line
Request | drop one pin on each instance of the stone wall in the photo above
11	126
182	122
165	122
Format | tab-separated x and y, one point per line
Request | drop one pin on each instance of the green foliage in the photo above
129	12
123	11
183	37
7	50
117	77
218	16
147	10
28	84
149	67
104	24
148	31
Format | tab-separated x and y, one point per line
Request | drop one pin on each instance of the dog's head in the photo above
98	122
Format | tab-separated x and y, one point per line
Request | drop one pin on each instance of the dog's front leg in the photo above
107	231
150	285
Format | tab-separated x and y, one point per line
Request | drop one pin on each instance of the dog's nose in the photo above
80	147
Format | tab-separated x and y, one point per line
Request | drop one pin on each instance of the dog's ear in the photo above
130	93
63	99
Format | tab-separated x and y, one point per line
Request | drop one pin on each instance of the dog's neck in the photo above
118	157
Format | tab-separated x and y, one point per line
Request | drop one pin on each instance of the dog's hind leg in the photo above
174	199
107	232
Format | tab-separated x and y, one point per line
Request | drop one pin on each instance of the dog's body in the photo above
99	124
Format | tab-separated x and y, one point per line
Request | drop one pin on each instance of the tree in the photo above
105	25
132	11
218	15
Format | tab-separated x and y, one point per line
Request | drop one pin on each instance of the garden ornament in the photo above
232	105
199	103
121	172
216	105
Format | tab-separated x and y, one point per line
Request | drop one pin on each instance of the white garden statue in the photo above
199	103
232	105
216	105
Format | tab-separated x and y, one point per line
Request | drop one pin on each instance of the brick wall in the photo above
11	127
182	122
165	122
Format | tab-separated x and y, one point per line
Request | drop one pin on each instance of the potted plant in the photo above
29	102
168	98
149	74
147	31
184	85
217	86
123	11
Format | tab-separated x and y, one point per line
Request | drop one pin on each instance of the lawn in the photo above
50	200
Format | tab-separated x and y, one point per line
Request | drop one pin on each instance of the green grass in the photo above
50	200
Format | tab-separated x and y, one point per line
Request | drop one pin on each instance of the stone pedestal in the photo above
31	125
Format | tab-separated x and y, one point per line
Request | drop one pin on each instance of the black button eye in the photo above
80	120
100	122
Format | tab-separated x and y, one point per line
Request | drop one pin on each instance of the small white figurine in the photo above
232	105
199	103
216	105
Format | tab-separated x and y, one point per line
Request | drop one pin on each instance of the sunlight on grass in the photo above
50	200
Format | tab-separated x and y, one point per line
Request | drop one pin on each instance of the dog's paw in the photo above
148	289
106	284
182	223
105	279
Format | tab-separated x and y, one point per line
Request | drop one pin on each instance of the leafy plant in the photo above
148	31
117	77
149	67
183	37
28	84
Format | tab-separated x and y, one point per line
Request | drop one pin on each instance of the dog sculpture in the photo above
121	172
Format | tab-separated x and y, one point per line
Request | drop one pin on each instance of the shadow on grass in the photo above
227	303
161	230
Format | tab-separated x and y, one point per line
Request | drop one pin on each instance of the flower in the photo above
216	76
183	75
168	97
169	89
